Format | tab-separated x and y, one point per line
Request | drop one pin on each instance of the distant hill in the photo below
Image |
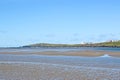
108	44
52	45
102	44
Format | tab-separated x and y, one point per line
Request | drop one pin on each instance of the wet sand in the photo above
30	71
59	65
89	53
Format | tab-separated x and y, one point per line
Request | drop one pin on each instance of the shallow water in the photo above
43	67
60	49
40	67
108	62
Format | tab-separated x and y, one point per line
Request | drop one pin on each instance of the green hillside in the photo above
109	44
52	45
102	44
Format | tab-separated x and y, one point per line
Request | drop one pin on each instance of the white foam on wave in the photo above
105	55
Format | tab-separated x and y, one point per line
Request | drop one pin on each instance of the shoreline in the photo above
59	47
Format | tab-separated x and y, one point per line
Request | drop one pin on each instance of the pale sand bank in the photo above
27	71
69	53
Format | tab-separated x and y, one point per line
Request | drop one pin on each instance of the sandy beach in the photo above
28	71
59	65
87	53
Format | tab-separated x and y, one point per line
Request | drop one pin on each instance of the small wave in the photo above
105	55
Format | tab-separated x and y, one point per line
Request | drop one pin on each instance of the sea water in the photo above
61	49
102	61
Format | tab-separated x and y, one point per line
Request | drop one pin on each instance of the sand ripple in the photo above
45	71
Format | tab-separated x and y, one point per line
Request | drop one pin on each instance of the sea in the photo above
36	49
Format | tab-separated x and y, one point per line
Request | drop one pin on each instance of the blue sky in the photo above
58	21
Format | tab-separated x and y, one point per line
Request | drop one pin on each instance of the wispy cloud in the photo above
76	34
50	35
110	36
95	38
75	39
2	32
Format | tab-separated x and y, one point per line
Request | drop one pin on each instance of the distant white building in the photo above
83	43
112	40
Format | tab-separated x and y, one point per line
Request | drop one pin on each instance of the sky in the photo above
24	22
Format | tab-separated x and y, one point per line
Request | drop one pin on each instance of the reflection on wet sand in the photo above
59	65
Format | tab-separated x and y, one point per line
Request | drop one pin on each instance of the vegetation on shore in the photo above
102	44
109	44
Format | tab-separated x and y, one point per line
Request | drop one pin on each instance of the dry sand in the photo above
30	71
68	53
